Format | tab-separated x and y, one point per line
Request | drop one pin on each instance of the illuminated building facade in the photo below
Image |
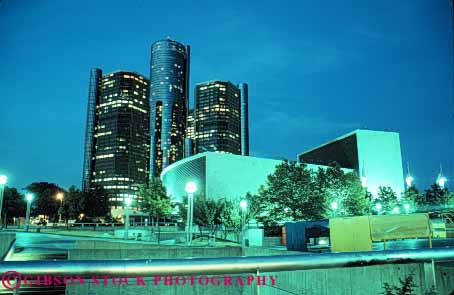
117	136
374	155
218	120
169	85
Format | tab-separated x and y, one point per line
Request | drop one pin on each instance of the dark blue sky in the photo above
316	70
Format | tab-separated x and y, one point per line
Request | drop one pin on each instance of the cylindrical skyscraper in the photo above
169	95
244	119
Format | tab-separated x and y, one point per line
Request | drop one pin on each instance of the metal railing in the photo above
226	265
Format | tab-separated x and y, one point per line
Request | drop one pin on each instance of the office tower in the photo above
190	128
190	134
244	92
218	122
169	85
117	136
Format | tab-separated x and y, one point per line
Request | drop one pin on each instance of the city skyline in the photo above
372	83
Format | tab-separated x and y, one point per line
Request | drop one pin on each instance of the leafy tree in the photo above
414	198
95	203
73	203
344	193
14	205
290	193
387	198
45	202
437	198
155	200
230	216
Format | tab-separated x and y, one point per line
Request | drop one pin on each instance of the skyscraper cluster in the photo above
136	127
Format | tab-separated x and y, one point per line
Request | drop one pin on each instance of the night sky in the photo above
316	70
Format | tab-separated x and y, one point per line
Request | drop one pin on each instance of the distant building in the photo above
219	125
169	88
219	175
190	128
374	155
117	134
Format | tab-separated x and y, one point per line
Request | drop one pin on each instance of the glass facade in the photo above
89	147
217	117
169	83
120	158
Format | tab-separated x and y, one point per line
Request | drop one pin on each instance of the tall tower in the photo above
244	95
117	136
89	147
218	122
169	96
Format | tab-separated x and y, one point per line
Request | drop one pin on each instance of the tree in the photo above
45	202
290	193
344	193
95	202
155	200
437	198
209	214
387	198
230	216
14	205
73	203
414	199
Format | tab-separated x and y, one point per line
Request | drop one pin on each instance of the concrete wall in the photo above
6	241
380	160
339	281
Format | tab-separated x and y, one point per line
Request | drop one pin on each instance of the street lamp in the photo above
128	202
190	188
407	208
378	207
243	205
60	197
409	181
396	210
334	206
3	180
27	215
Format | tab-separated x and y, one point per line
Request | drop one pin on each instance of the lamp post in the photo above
3	180
128	202
190	188
407	207
27	215
334	206
378	207
243	205
60	197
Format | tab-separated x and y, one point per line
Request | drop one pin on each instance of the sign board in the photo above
393	227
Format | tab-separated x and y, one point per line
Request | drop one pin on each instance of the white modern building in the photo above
219	175
374	155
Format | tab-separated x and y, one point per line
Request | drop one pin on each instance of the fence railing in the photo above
226	265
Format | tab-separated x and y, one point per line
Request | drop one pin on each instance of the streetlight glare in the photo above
442	181
29	197
60	196
396	210
243	204
409	181
128	201
364	181
191	187
3	179
378	206
334	205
